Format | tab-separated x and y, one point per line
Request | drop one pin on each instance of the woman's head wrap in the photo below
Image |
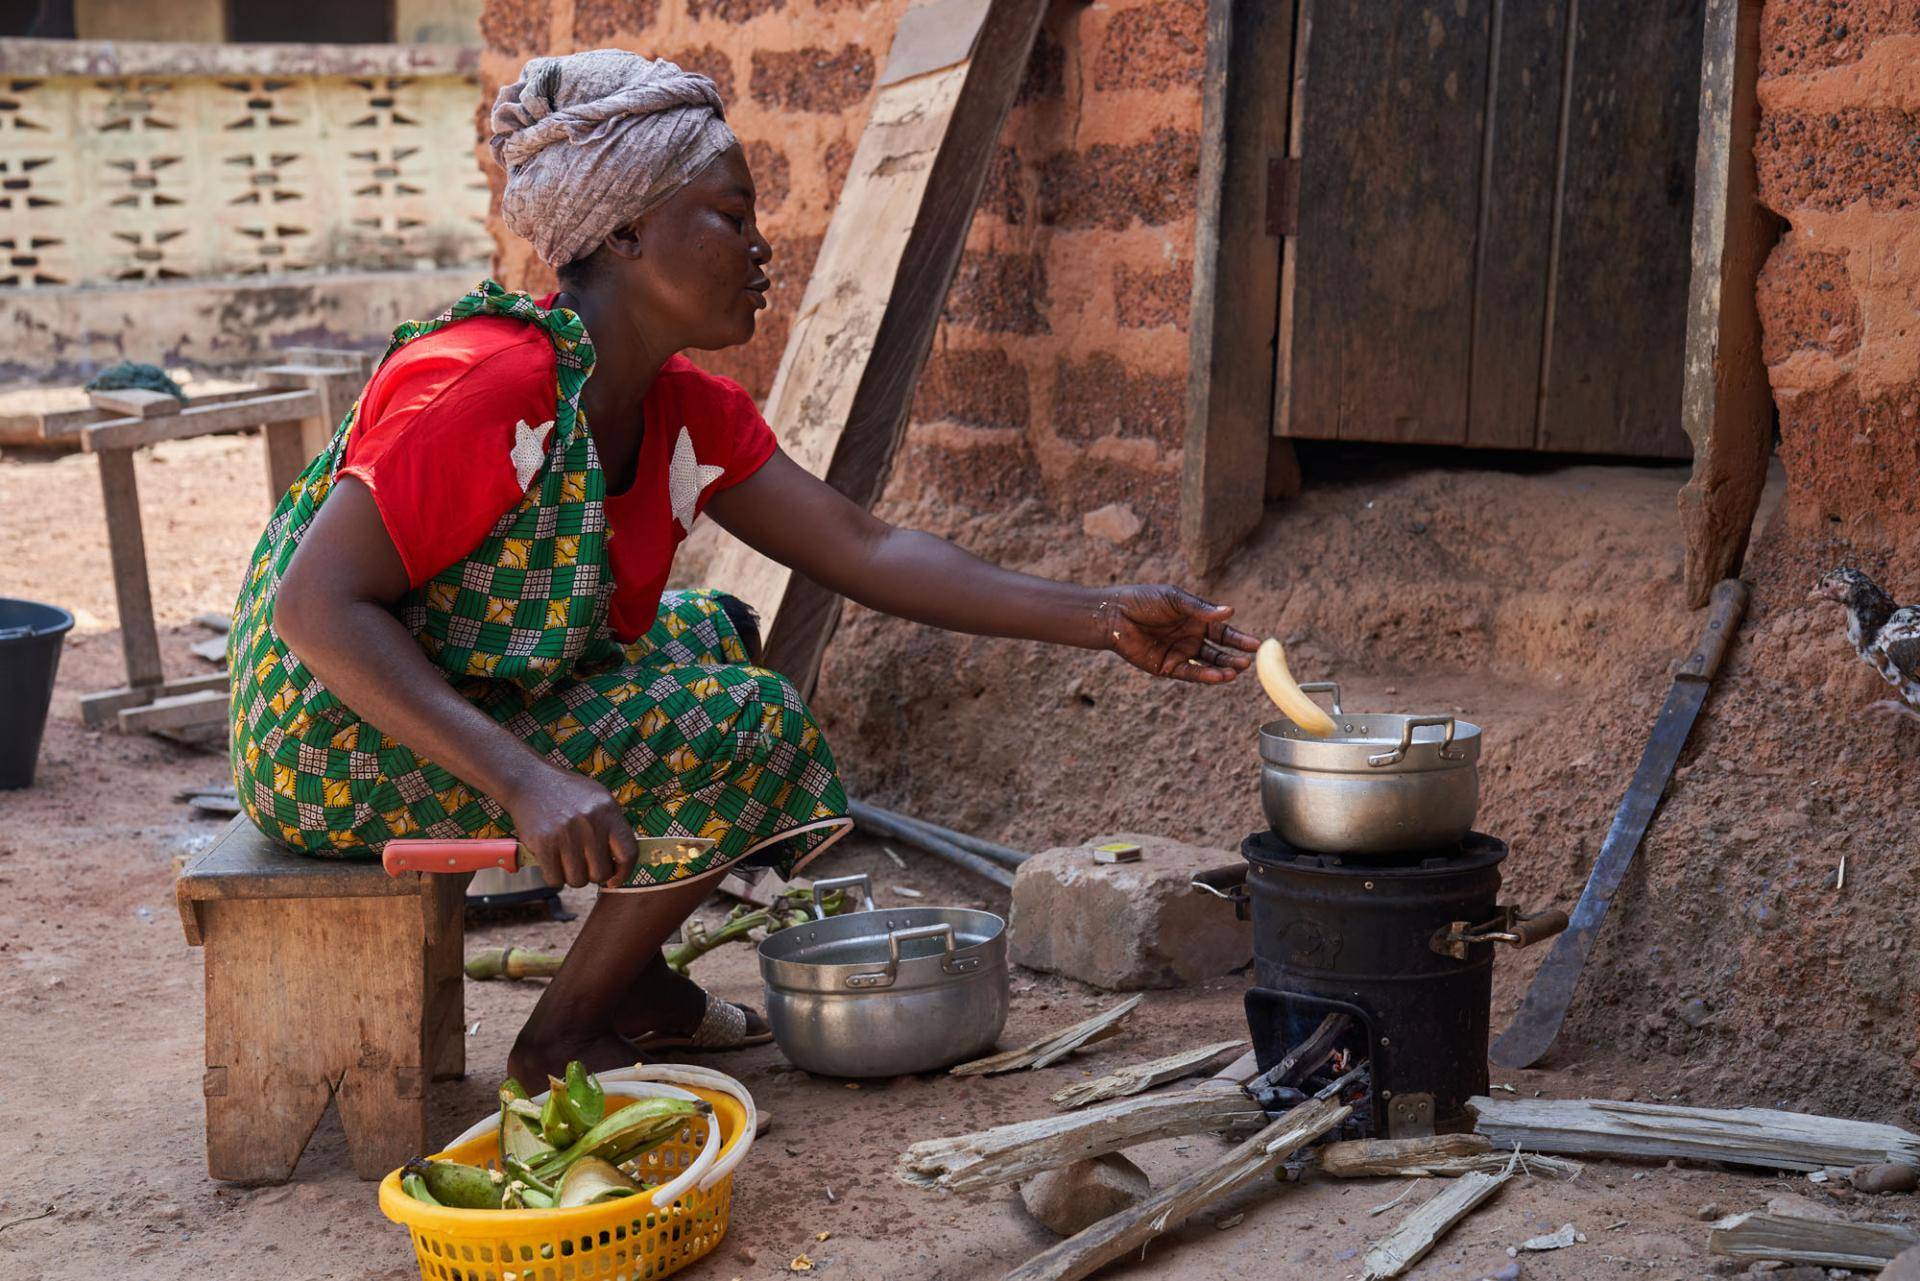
594	140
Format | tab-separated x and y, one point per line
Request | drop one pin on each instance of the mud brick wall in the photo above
1838	154
1058	376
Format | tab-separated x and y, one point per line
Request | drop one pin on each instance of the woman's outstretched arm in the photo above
785	512
334	610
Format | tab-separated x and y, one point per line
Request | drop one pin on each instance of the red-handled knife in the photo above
449	856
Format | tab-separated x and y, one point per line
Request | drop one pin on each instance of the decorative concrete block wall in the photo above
130	163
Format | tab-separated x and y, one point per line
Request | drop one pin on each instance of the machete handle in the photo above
449	856
1724	612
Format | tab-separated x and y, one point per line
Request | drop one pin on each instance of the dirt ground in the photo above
1540	601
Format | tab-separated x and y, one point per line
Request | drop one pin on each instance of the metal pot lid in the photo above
1374	743
891	948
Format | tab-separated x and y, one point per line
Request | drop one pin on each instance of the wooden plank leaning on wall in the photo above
1242	213
1727	404
840	399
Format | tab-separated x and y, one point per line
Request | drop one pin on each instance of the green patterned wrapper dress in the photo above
688	738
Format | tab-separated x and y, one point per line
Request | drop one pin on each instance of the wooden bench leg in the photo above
306	997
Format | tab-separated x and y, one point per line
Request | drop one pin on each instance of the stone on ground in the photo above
1075	1197
1893	1176
1905	1266
1124	926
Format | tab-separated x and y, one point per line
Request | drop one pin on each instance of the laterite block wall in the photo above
1058	377
1838	154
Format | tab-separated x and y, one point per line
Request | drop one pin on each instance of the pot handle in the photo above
1325	687
841	883
1399	753
885	977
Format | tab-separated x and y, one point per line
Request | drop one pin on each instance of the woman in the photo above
454	625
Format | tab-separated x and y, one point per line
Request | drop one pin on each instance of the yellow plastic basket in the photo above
624	1240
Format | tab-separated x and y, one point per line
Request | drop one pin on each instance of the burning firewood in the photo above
1141	1077
1049	1050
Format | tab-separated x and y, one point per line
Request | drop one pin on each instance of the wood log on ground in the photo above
1758	1137
1007	1153
1128	1232
1802	1238
1138	1078
1416	1234
1437	1156
1049	1050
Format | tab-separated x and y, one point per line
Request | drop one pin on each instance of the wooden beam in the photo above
1726	402
1008	1153
1416	1234
127	547
176	712
1785	1236
1138	1078
1742	1136
135	402
199	420
1432	1156
1129	1231
840	400
103	709
1234	316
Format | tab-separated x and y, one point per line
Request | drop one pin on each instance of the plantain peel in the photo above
1270	663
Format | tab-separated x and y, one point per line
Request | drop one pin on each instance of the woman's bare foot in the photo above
532	1062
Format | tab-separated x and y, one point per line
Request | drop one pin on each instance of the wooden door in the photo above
1487	206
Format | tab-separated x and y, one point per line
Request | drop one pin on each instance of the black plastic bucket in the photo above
30	639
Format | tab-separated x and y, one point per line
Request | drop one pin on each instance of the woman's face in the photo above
695	268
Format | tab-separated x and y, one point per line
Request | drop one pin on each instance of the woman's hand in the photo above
1168	632
573	827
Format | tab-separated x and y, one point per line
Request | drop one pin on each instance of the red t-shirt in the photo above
435	442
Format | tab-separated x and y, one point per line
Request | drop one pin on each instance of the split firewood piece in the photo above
1008	1153
1436	1156
1141	1077
1743	1136
1128	1232
1779	1233
1416	1234
1049	1050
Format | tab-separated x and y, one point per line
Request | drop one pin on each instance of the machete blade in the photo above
1530	1035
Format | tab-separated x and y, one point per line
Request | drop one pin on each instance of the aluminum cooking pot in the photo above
1383	783
886	992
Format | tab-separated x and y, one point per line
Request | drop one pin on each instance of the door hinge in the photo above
1283	196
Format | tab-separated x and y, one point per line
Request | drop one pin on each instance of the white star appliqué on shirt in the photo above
687	479
529	450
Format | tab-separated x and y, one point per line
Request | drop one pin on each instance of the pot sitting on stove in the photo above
1401	946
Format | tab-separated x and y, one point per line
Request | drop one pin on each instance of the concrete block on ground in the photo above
1125	926
1074	1197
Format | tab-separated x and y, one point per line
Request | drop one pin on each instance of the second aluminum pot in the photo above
888	991
1384	783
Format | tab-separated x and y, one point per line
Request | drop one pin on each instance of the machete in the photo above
1527	1039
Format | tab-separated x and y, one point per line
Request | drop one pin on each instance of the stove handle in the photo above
1510	927
1229	883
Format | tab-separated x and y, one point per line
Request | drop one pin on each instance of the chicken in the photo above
1885	635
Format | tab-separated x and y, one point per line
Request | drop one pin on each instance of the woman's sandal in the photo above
722	1027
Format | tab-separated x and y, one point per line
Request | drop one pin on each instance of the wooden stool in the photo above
325	980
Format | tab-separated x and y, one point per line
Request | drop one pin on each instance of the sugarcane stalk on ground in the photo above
525	963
